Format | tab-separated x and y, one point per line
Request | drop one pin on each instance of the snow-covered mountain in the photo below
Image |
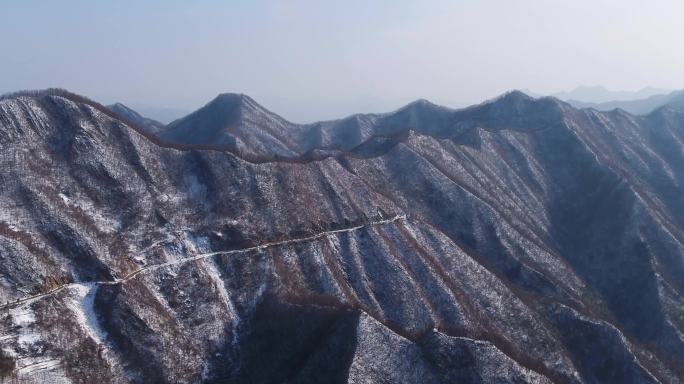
520	240
239	124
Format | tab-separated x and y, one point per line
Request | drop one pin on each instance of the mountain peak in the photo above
511	101
231	120
230	97
515	96
235	101
423	106
125	111
422	102
231	109
516	110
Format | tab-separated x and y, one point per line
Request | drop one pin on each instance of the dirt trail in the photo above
153	267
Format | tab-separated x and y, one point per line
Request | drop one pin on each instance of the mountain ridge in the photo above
152	126
266	133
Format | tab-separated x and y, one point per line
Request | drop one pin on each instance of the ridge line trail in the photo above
184	260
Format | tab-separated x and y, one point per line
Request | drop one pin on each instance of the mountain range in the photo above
599	94
519	240
638	106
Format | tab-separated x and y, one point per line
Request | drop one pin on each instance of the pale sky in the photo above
310	60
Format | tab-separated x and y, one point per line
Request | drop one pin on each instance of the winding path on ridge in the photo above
184	260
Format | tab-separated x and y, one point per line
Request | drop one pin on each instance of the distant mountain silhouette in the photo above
599	94
637	107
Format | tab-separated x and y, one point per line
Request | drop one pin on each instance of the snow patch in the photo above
33	365
65	199
195	189
23	319
215	276
198	244
83	306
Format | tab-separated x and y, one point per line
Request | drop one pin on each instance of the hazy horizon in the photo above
310	61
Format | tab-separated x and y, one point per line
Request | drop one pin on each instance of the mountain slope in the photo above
520	240
152	126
